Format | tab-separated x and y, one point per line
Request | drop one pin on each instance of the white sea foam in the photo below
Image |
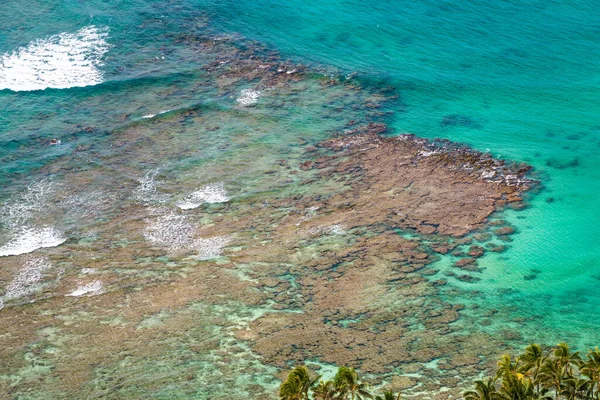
89	270
429	153
170	231
248	97
148	116
29	276
147	185
89	204
209	248
19	216
18	212
58	61
488	174
175	233
147	191
213	193
336	229
27	240
91	289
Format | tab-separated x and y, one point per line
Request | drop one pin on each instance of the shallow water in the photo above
146	175
517	80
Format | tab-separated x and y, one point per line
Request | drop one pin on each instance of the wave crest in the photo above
30	239
59	61
24	218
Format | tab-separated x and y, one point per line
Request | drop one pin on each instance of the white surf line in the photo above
59	61
19	216
27	240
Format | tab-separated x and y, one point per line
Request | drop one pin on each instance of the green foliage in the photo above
556	373
388	395
347	382
484	390
325	391
297	385
346	385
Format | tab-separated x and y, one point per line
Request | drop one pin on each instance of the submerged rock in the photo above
467	264
497	248
476	251
392	184
506	230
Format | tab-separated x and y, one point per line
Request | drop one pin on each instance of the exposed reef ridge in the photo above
366	298
413	183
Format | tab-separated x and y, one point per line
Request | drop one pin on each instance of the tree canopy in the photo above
537	374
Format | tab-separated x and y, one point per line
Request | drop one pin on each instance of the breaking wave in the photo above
59	61
248	97
214	193
25	232
30	239
18	212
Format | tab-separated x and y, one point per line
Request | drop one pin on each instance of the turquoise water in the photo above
526	78
520	80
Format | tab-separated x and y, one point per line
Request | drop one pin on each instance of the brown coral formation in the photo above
417	184
361	301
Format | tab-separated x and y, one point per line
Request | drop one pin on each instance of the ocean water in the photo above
520	81
99	101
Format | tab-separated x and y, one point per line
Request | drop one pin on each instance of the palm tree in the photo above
484	390
591	369
291	389
297	384
389	395
566	358
533	358
346	381
324	391
551	375
506	367
516	387
575	388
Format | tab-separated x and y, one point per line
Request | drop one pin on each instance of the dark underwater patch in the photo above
458	120
561	164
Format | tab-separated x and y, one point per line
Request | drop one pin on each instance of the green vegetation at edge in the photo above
553	374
